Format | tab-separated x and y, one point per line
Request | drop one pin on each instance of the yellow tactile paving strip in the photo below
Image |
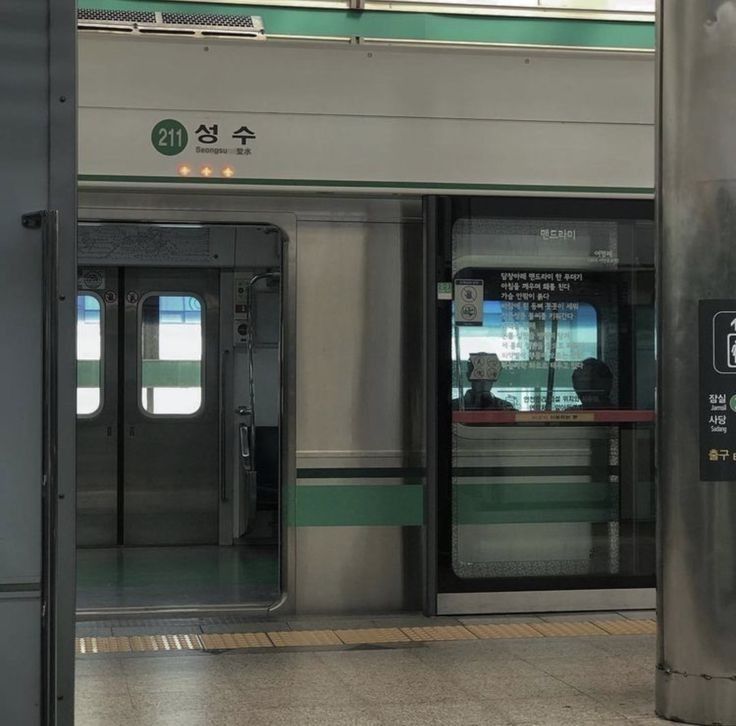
372	635
504	630
232	641
288	638
438	632
360	636
565	629
628	627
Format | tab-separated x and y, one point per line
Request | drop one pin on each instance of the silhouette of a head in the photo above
593	381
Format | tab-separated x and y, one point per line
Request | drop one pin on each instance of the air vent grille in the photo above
117	16
168	23
205	19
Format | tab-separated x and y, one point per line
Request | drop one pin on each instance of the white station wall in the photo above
334	116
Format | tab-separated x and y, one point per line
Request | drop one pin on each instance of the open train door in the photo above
540	407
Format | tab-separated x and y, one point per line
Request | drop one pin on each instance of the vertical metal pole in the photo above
696	406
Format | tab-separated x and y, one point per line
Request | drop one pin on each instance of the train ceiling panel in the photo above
171	23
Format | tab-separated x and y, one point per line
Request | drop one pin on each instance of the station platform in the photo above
548	670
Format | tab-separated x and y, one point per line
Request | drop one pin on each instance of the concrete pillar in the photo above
696	669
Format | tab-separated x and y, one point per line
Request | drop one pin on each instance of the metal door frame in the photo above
181	208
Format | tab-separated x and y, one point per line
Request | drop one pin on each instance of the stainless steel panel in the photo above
544	601
145	245
171	463
37	57
358	569
697	195
97	435
20	664
359	339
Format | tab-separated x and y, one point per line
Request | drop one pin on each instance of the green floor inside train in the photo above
142	577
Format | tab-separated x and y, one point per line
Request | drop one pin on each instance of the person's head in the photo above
477	384
593	381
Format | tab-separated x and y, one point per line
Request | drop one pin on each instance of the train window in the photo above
89	354
171	367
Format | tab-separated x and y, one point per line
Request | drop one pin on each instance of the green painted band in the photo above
365	505
171	374
88	374
442	27
372	505
535	503
341	183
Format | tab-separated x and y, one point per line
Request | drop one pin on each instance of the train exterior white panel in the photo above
334	117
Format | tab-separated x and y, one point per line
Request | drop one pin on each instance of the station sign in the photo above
717	391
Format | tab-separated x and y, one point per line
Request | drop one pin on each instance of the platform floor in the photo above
554	680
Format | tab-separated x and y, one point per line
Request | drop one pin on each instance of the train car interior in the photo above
179	407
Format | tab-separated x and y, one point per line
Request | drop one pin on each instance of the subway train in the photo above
362	326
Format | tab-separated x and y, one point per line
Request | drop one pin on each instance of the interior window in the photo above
538	344
89	354
171	355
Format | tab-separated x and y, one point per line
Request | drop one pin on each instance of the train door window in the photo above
89	354
171	364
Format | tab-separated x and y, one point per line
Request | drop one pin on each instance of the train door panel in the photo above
148	402
97	407
171	468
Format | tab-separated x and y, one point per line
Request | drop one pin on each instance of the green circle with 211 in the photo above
169	137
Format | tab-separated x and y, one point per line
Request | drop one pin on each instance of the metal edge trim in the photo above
423	42
545	601
647	192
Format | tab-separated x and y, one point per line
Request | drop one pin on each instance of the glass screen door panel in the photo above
546	396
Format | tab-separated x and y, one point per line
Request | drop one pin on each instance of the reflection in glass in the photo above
552	401
89	354
529	342
171	348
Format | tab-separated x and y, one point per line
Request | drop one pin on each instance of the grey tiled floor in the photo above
599	681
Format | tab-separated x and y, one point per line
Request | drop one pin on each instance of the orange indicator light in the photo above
184	170
206	171
228	172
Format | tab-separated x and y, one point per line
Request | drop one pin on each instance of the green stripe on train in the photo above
417	26
363	505
88	374
156	374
